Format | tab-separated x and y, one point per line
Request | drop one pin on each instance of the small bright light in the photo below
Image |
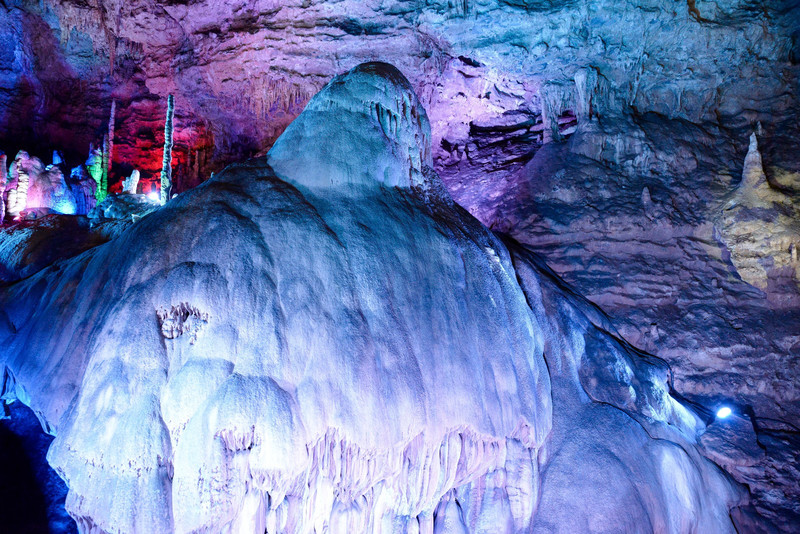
723	412
154	196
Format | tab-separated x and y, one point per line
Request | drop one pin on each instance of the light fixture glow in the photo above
154	196
723	412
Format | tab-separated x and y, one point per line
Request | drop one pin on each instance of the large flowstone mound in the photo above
321	339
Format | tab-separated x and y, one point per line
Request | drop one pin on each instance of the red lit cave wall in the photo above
139	144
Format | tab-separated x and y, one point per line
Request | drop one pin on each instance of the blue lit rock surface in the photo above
653	102
32	493
26	247
289	348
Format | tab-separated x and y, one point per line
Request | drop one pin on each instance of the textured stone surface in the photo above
650	255
242	72
27	247
649	105
314	350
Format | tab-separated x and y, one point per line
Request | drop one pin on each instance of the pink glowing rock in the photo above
19	182
49	191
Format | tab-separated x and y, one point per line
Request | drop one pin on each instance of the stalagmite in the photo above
275	369
196	166
166	164
20	180
102	188
639	206
108	151
84	188
753	175
758	222
94	166
130	184
3	180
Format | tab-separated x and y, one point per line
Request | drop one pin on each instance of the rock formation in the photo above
94	166
108	153
123	206
166	163
760	225
335	345
84	190
19	182
27	247
648	106
49	192
131	183
3	180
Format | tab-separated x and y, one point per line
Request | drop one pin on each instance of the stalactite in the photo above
276	93
586	82
166	165
556	98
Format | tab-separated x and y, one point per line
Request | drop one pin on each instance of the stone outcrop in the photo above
131	183
19	183
760	225
648	106
370	358
84	189
49	191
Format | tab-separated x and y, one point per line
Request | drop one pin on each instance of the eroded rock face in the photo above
27	247
242	73
648	250
760	225
311	347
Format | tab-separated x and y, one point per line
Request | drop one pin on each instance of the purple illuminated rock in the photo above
35	189
49	191
19	181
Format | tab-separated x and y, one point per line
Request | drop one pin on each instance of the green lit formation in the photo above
95	167
102	184
108	150
166	165
100	169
